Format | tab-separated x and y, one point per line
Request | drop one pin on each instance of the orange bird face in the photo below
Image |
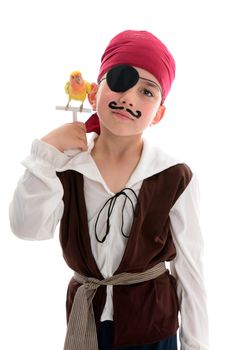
76	78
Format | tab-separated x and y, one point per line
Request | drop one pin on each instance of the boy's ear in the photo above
92	95
159	115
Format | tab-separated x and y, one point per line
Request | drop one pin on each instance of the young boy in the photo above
125	208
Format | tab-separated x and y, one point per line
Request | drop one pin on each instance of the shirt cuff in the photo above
46	155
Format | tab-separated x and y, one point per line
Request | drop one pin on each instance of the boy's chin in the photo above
121	133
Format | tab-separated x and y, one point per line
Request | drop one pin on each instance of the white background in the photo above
41	43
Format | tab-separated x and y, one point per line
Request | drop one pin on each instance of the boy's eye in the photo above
147	92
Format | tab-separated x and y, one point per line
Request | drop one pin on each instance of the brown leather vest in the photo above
146	312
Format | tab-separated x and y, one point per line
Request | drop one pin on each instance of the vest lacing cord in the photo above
112	202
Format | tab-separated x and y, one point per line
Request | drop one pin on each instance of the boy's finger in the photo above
80	125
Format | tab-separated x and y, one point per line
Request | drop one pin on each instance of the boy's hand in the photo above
68	136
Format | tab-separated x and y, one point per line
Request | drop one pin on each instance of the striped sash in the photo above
81	331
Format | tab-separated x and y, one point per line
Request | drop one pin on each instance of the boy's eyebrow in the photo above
152	84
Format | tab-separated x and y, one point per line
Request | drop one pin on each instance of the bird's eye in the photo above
72	76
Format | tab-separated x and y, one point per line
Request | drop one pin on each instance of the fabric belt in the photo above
81	332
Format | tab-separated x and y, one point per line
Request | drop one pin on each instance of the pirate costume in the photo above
164	227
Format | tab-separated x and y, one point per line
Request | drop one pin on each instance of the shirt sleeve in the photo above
37	204
187	268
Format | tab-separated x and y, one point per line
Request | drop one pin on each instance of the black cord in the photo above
112	202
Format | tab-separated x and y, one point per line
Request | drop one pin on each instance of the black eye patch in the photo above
122	78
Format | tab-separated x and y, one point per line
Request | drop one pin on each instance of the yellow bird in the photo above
77	88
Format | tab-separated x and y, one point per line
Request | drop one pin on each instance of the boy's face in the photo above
129	112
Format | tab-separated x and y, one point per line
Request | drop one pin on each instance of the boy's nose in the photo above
124	102
126	98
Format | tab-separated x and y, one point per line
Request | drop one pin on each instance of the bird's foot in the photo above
81	108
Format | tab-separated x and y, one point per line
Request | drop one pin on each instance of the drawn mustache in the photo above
113	105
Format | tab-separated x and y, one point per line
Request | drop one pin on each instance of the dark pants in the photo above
105	340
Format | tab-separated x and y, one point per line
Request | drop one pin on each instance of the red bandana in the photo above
139	49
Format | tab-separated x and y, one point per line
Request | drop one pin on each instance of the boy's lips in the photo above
123	115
